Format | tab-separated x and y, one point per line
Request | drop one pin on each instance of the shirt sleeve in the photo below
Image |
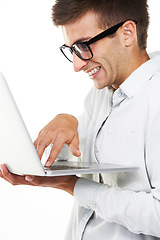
137	211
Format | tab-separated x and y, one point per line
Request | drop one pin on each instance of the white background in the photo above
43	84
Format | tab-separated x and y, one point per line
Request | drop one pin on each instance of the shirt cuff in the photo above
85	193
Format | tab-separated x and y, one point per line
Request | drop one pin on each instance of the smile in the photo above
93	71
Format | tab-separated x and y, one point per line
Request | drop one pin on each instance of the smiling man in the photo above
120	124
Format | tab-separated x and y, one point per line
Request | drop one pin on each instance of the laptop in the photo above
18	153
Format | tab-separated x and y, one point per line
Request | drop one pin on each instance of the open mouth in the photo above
93	71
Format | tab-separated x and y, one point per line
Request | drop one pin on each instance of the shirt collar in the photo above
141	75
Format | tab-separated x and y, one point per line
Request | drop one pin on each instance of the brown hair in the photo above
110	12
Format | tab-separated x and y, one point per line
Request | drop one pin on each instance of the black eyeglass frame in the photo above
98	37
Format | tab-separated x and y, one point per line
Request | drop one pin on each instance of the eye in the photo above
81	47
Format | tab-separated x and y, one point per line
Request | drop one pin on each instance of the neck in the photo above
139	58
134	61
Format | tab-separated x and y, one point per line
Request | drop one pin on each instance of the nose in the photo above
78	64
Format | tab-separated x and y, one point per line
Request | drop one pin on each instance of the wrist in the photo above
69	184
68	117
72	184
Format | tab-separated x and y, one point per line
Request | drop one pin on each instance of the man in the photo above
120	123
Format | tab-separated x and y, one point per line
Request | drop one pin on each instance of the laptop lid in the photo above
16	148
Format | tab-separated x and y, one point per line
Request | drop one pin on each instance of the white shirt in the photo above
126	205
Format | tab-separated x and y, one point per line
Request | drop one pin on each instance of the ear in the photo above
129	33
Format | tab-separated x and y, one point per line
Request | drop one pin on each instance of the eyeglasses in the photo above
83	50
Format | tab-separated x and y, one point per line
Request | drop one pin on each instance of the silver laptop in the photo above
17	150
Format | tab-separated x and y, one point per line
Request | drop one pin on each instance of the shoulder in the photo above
154	86
152	93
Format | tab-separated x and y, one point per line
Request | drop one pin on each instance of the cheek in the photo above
108	53
108	60
109	67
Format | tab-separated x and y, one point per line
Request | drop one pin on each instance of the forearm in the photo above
68	184
65	183
138	211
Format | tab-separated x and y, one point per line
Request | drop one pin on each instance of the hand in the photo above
65	183
61	130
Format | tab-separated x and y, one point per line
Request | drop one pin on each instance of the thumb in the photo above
76	152
74	146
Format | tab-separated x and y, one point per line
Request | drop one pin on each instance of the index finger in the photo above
56	148
41	143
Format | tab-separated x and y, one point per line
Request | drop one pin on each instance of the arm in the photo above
61	130
139	211
65	183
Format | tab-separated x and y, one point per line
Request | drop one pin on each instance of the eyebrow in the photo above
83	39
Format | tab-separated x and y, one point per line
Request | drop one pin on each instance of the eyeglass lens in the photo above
80	49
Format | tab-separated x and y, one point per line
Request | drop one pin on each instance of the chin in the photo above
99	85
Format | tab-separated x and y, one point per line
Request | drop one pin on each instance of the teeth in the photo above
93	71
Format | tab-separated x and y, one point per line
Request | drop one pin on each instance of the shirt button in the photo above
119	93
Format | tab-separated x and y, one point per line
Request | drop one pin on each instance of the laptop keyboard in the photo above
54	168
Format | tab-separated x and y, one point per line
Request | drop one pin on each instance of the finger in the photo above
12	178
33	180
1	174
40	145
56	148
40	148
40	181
36	141
53	182
74	146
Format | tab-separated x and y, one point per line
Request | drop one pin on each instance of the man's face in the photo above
106	66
